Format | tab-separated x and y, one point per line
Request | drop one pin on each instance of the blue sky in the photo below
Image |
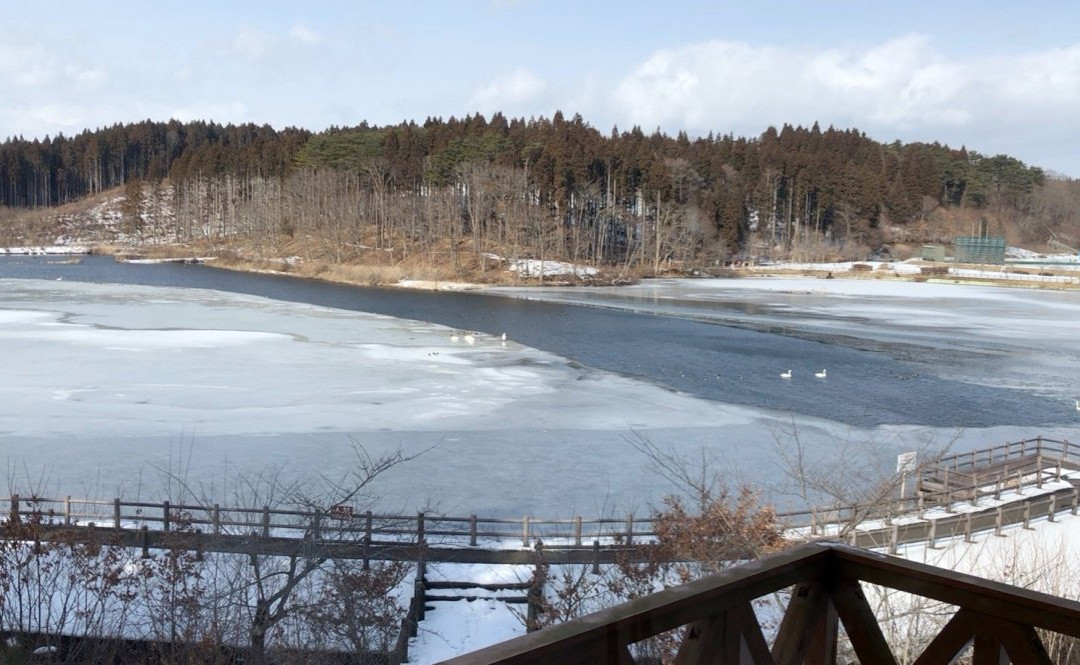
998	79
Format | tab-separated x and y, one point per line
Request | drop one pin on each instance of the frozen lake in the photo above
109	389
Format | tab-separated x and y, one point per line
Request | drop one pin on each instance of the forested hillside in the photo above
545	188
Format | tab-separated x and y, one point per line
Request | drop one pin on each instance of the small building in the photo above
933	253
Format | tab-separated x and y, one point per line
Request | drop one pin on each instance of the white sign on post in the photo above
905	462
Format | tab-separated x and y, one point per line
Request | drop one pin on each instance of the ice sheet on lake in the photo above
117	390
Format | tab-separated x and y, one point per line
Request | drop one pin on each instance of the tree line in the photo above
538	186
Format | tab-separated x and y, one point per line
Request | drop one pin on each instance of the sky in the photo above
994	77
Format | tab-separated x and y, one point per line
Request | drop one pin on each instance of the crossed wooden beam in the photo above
720	627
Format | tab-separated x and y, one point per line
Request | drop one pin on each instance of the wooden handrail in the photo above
826	581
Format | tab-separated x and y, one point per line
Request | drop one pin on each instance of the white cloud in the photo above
222	112
252	43
510	91
304	34
90	77
1050	77
25	66
720	84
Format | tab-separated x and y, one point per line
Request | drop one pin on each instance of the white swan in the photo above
786	375
822	374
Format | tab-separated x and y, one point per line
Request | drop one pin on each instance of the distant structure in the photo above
933	252
981	248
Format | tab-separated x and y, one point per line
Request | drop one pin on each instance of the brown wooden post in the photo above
1053	508
472	530
165	515
1059	470
967	528
998	520
525	531
215	517
266	521
316	529
420	527
14	518
974	488
1039	469
145	537
1075	499
596	557
1020	482
198	545
1027	515
630	529
577	531
367	539
116	513
997	489
931	538
67	509
894	538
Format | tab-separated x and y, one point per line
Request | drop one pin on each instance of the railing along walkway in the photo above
345	533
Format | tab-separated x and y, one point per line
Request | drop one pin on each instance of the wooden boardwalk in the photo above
935	512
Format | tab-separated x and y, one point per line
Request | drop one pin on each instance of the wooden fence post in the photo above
266	521
14	519
420	527
577	531
215	517
1027	515
1052	509
1075	499
998	521
894	537
367	539
525	531
630	529
145	537
164	516
67	509
472	530
967	528
116	513
931	539
596	557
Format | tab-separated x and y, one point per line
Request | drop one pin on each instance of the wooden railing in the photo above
335	522
967	476
961	477
719	624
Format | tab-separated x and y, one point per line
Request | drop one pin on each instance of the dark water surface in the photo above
735	365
